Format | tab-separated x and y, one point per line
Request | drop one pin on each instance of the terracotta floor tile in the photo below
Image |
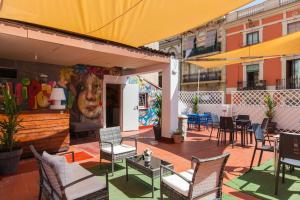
24	185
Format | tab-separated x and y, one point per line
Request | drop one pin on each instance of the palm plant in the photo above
195	102
270	106
11	125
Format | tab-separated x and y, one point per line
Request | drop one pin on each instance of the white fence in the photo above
209	101
287	111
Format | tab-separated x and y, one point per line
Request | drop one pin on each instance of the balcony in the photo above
290	83
204	76
265	6
204	50
252	85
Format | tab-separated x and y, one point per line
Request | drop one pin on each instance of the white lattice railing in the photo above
209	101
287	112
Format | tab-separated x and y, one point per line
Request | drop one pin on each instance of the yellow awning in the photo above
131	22
222	62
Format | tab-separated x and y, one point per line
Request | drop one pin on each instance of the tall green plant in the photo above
158	107
11	125
195	102
270	106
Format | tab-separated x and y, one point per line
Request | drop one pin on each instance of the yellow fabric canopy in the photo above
131	22
223	62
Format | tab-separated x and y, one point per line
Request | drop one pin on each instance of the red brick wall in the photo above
272	71
272	18
293	12
272	31
234	73
234	41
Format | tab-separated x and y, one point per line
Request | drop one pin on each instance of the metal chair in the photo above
80	183
192	120
259	133
203	180
249	129
289	154
215	123
112	147
226	125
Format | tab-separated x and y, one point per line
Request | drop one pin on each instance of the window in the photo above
293	27
143	100
211	37
252	75
252	38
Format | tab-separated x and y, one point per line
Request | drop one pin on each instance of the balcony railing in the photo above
204	76
252	85
204	50
289	83
267	5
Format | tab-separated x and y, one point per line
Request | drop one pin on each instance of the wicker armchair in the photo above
112	147
80	185
203	181
289	154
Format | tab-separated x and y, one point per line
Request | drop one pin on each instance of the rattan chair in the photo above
80	186
215	124
204	180
289	154
259	133
226	125
112	147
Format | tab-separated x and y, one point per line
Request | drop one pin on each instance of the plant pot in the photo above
9	161
177	138
157	132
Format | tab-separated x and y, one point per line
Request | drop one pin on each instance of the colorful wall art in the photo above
147	116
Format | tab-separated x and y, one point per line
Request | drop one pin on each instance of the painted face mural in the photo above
89	96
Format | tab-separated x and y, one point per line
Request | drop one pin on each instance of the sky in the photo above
252	4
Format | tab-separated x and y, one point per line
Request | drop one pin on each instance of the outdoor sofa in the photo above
60	180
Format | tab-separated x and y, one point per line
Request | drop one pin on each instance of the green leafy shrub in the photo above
11	125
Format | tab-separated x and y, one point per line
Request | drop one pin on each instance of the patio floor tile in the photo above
24	185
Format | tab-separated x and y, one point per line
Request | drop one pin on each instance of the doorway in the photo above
113	105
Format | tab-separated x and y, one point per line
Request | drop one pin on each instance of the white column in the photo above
170	78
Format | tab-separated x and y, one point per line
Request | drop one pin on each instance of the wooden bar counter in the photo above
46	129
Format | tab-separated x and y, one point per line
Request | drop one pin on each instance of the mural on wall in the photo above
147	116
85	86
82	87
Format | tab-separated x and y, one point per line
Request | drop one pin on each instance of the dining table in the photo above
244	124
200	119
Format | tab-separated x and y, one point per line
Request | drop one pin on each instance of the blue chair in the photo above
259	133
192	120
214	123
203	119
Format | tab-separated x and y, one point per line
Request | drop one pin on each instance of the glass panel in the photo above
255	38
252	68
296	68
293	27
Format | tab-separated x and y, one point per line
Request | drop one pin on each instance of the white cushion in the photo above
177	183
85	187
75	172
119	149
60	165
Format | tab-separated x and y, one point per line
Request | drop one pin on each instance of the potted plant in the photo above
10	152
270	112
270	107
177	136
195	102
157	110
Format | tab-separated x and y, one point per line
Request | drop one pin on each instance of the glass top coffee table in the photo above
150	169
